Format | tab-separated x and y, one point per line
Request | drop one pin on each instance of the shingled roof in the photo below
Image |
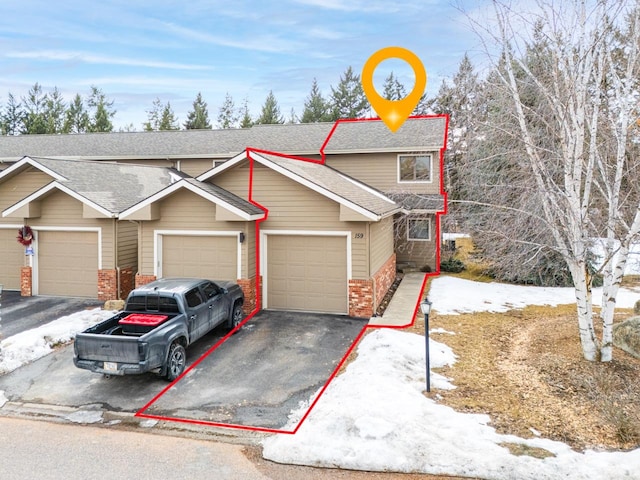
321	178
294	139
110	186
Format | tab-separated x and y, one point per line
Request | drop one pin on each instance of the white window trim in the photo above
157	245
430	155
409	230
264	235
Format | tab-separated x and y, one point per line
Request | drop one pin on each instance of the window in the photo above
414	168
418	229
194	298
210	290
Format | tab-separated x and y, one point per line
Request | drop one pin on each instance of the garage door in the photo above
11	259
68	263
307	273
215	258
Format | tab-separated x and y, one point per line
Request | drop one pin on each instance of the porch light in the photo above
425	308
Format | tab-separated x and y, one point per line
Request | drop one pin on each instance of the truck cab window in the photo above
194	298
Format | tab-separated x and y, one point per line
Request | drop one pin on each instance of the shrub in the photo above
452	265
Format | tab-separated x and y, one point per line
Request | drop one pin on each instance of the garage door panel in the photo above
307	273
68	264
213	257
11	259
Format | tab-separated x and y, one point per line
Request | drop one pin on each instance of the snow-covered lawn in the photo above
451	296
27	346
375	417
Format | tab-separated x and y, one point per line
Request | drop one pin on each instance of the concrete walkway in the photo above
399	312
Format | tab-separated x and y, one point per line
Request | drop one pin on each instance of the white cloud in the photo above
70	56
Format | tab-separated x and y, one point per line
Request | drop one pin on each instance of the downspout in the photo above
115	256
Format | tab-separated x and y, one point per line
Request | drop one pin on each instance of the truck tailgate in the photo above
109	348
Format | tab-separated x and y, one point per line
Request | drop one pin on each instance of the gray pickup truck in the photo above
160	320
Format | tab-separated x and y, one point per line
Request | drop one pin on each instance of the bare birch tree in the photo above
576	136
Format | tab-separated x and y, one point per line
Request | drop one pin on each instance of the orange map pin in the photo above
394	112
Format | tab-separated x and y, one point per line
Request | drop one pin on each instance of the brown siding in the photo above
20	186
381	243
183	210
195	166
380	170
295	207
61	210
127	245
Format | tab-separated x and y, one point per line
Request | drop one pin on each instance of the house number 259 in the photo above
358	235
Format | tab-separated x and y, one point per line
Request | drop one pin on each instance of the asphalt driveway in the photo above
18	314
254	379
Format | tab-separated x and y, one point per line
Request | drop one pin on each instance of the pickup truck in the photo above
159	321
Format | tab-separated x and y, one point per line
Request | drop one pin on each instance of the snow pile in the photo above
374	417
30	345
452	296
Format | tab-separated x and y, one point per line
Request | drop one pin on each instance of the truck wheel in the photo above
176	362
237	315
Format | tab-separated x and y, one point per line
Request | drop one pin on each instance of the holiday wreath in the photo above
25	235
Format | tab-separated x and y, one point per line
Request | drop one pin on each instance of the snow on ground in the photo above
27	346
374	416
452	296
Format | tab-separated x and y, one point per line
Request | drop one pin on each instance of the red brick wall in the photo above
144	279
127	282
361	298
250	294
383	279
107	284
26	282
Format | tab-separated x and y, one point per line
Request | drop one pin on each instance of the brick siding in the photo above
361	298
26	288
107	284
250	294
127	282
383	279
144	279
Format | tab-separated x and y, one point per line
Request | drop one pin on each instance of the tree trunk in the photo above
584	305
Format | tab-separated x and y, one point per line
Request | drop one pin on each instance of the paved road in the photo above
51	451
23	313
42	450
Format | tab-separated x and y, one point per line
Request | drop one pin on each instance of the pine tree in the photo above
34	106
270	111
246	121
76	117
100	120
153	117
198	118
168	120
348	99
393	89
227	115
55	112
11	121
316	108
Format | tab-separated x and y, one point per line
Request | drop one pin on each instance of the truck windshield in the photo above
152	303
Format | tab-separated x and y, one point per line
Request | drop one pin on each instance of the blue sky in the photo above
138	50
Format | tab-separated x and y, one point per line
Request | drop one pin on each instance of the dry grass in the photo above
525	369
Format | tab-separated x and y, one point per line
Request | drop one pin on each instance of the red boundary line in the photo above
249	150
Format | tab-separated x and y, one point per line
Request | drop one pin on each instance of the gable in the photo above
20	185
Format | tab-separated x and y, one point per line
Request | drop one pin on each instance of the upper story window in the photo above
415	168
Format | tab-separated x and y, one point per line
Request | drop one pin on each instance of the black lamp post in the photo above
425	308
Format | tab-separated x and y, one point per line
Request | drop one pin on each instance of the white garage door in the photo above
211	257
11	259
307	273
68	263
